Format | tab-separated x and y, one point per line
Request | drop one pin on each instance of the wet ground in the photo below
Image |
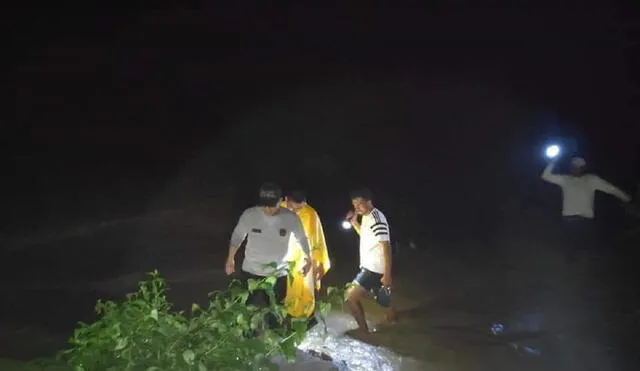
544	313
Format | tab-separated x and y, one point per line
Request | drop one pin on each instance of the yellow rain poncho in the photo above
300	299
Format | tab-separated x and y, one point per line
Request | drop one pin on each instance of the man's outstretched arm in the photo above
606	187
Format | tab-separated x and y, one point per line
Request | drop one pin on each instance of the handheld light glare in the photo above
552	151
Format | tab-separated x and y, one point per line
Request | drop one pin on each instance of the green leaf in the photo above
202	367
271	280
299	325
163	330
244	296
256	321
195	308
154	314
324	307
189	356
240	319
121	344
291	265
288	347
253	284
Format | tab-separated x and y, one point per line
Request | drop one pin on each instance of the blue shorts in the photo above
370	281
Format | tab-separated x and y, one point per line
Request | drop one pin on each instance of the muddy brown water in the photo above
448	299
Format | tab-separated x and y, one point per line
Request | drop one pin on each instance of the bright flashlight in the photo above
552	151
346	225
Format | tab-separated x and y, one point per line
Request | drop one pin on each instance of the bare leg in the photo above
361	309
354	296
390	314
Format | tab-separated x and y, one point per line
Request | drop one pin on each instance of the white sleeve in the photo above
548	176
380	226
602	185
241	230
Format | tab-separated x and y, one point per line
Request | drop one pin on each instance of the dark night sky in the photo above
442	105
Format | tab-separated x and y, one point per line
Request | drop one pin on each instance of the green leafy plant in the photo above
144	333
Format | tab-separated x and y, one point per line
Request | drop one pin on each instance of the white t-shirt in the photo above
374	229
578	192
268	239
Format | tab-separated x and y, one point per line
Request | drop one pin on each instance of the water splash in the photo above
351	354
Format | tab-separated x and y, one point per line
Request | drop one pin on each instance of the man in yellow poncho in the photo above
300	298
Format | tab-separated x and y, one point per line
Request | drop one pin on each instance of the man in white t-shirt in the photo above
267	229
579	187
578	193
375	258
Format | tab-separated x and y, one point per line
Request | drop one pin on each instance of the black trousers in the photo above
260	298
581	236
587	244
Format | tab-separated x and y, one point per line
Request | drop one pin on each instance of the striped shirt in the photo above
268	238
374	229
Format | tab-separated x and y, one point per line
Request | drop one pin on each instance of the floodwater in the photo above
513	306
352	354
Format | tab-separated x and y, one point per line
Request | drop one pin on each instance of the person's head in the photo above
578	166
270	197
362	201
295	200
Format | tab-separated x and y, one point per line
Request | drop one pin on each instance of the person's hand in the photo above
386	280
230	267
307	266
351	215
319	272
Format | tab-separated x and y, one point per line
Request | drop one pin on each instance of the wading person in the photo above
268	228
301	289
578	193
374	276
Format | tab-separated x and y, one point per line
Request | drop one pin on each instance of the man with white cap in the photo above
578	191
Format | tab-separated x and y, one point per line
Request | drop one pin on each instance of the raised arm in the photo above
548	176
602	185
352	217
